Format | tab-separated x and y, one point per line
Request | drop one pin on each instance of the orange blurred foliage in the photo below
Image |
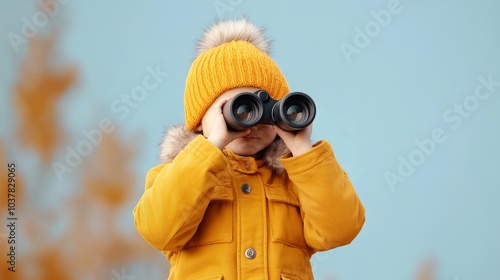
37	92
79	235
107	176
92	243
426	270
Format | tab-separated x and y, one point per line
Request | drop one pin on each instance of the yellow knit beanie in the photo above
231	54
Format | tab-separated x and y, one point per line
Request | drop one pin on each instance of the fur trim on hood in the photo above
177	137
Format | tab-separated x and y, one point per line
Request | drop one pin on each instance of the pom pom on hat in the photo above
233	30
230	54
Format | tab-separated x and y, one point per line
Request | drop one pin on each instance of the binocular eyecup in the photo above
294	112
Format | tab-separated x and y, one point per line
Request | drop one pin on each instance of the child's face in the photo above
262	135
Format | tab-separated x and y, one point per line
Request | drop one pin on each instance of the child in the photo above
253	204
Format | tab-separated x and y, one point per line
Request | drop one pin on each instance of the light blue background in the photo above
372	109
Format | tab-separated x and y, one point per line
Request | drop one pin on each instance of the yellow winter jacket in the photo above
218	215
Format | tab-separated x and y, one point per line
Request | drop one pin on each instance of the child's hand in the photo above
219	134
297	142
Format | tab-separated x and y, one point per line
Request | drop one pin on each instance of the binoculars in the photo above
293	112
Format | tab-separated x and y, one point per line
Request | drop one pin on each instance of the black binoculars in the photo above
294	112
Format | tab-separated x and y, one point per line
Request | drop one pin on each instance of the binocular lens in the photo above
244	113
296	113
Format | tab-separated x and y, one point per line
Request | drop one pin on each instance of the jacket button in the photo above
250	253
247	165
245	188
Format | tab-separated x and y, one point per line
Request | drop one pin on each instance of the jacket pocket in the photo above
287	226
217	223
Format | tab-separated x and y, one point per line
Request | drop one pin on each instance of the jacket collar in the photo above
176	138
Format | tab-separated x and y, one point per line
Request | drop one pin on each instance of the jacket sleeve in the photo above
332	212
178	193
